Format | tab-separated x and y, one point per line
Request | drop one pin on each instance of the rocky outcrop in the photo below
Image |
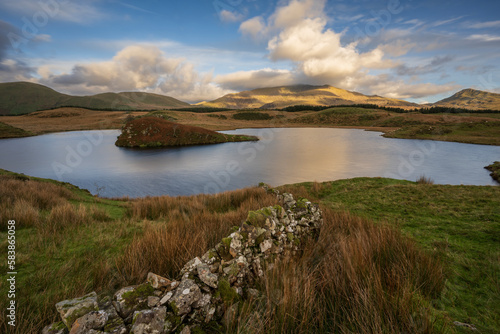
210	289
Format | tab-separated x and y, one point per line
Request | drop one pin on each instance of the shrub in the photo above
252	116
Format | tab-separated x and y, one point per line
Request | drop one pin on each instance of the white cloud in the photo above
230	17
444	22
484	38
245	80
254	27
39	12
136	67
481	25
318	51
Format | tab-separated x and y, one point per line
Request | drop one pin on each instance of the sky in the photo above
199	50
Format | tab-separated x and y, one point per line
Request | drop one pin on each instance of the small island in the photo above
156	132
494	168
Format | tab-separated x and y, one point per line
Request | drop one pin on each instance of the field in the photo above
393	256
466	128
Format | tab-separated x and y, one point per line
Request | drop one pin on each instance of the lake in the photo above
90	160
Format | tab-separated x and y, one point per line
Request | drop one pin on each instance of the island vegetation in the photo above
154	132
494	168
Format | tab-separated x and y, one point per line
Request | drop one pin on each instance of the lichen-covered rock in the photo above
186	294
72	309
55	328
158	282
91	320
206	276
132	298
190	266
265	245
115	324
149	321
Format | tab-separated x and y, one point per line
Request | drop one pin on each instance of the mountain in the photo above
471	99
26	97
281	97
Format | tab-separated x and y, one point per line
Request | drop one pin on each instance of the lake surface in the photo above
90	160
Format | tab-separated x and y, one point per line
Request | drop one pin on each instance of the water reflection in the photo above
281	156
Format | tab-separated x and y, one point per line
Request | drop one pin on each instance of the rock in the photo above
206	276
55	328
186	294
166	298
172	322
132	298
70	310
185	330
190	266
115	324
149	321
288	201
266	245
203	301
157	281
153	301
92	320
462	324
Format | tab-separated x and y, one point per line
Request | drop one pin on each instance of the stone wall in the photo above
209	290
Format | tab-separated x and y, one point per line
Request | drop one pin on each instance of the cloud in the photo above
12	68
484	38
137	67
433	66
60	10
444	22
387	86
254	27
245	80
481	25
317	51
230	17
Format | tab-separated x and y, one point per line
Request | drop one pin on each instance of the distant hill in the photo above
26	97
285	96
471	99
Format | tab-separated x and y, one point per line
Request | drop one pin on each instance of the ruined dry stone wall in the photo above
209	289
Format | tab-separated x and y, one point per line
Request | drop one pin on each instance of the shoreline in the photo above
478	129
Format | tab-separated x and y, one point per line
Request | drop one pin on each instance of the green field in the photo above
459	223
69	243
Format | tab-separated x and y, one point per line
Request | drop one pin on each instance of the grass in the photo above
8	131
477	128
494	168
252	116
357	278
393	256
152	132
460	223
477	132
77	243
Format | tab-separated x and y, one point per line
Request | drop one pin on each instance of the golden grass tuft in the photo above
191	226
425	180
358	277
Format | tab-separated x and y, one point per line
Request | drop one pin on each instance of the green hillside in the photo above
24	97
471	99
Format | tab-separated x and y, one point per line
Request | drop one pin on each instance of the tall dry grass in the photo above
22	199
191	226
357	278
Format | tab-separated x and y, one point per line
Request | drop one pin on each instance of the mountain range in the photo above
26	97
